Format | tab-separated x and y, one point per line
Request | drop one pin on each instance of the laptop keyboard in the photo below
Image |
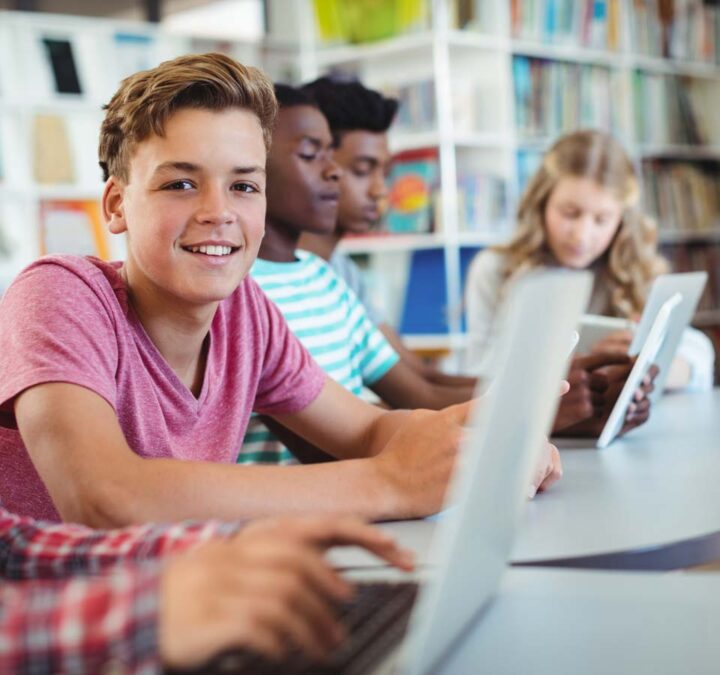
375	620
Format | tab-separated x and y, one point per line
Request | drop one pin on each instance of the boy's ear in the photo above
113	205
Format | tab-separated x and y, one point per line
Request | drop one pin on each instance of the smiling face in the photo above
303	177
193	207
365	159
581	219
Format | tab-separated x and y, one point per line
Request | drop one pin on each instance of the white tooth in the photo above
214	250
227	250
195	249
202	249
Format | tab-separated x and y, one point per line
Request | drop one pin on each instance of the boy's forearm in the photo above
170	490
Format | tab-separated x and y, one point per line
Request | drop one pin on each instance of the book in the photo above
59	53
682	196
70	226
582	23
413	179
52	155
552	97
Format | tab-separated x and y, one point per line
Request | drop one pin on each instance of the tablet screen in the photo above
648	354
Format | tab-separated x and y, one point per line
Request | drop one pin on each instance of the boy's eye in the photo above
244	187
570	213
307	156
179	185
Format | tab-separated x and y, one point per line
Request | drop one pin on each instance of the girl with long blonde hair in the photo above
581	210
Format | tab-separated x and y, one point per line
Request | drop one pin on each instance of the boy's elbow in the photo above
103	505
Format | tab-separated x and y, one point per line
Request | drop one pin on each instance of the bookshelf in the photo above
56	72
504	77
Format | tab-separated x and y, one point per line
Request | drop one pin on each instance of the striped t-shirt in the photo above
332	324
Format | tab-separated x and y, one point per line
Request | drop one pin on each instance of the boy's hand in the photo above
605	383
418	461
589	389
547	471
266	589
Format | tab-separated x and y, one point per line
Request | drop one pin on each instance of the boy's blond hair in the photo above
631	261
145	101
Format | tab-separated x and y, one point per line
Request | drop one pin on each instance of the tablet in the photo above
657	337
595	327
690	285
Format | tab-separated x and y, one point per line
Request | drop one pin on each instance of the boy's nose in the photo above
378	188
332	170
214	208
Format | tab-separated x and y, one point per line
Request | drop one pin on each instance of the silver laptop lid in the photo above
474	540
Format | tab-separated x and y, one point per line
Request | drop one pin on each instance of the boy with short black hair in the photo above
360	118
321	310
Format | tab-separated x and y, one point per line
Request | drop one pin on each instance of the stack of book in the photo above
552	97
682	196
679	29
675	110
416	109
586	23
482	202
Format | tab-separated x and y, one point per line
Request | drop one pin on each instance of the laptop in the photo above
409	626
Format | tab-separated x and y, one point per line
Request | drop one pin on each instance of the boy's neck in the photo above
179	333
279	243
323	245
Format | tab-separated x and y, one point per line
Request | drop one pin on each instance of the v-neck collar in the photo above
195	403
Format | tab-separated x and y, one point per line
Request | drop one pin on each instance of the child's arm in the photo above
404	387
82	625
35	550
78	448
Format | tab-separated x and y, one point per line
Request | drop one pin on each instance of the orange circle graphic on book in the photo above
409	193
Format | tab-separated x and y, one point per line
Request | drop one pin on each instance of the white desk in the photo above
658	485
562	622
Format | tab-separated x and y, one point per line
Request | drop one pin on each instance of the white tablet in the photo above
658	335
690	285
595	327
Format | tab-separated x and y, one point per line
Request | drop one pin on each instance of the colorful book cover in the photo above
413	178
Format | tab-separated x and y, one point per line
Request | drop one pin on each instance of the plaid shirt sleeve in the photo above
82	625
33	550
59	614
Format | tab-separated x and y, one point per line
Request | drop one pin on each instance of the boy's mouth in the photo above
215	250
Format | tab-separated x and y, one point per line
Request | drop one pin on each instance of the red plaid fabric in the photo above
75	600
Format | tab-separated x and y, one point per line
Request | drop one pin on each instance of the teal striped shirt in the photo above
327	317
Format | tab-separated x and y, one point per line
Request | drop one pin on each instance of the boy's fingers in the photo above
351	532
459	412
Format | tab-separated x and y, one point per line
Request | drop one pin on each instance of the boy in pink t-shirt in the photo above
125	389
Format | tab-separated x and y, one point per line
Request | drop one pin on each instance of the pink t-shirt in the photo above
67	319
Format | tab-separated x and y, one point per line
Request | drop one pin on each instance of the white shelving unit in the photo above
483	58
103	52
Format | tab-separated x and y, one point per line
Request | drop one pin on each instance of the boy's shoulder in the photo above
71	280
62	270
